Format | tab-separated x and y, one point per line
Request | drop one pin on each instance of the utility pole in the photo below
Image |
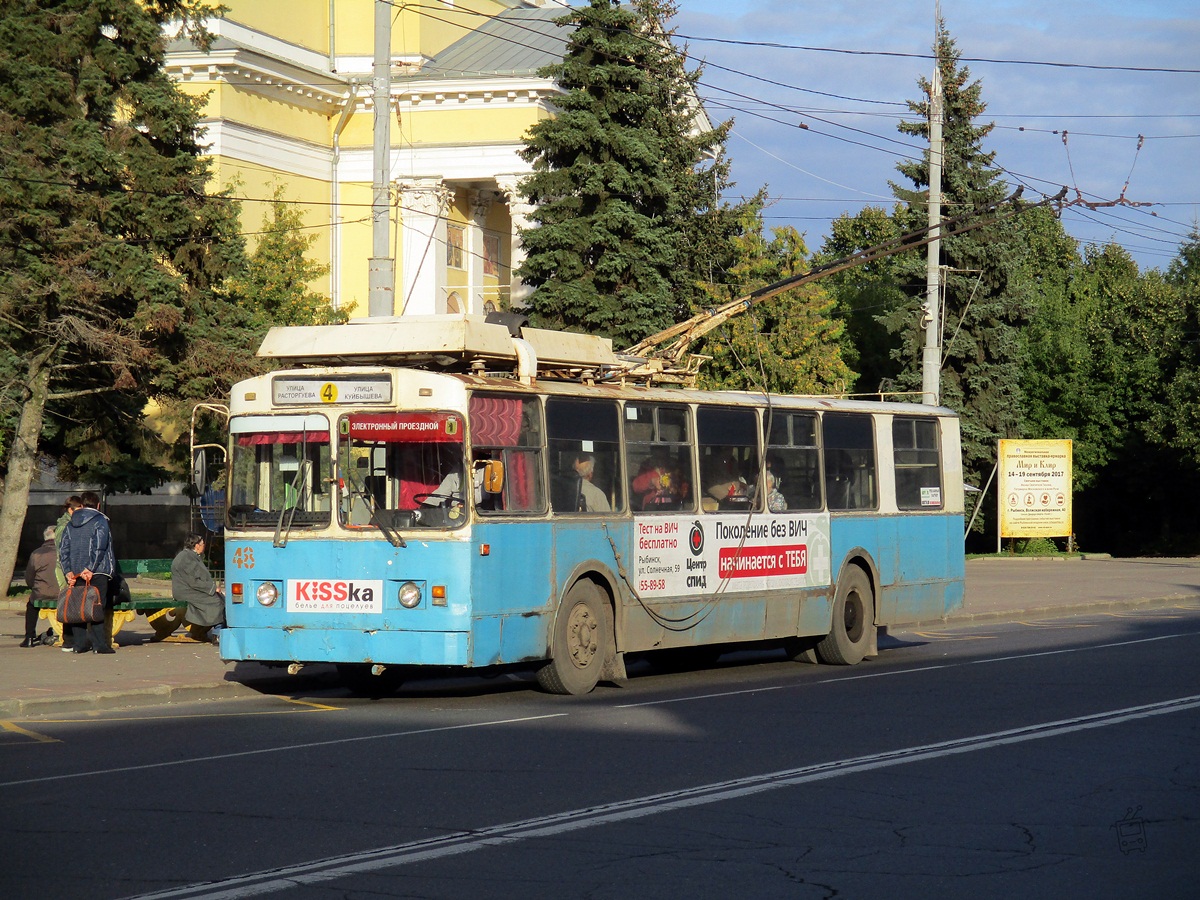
381	275
931	355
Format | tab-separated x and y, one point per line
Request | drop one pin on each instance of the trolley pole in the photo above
381	267
931	355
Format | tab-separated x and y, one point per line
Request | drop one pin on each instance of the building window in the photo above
455	241
491	254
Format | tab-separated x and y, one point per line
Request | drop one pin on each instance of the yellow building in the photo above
289	103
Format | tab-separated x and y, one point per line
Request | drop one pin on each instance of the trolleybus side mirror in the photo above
199	470
493	476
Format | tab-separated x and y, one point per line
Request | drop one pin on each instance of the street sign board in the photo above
1035	488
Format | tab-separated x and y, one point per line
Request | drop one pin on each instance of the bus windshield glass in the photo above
401	470
278	464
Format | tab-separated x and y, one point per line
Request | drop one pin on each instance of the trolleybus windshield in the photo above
402	470
278	464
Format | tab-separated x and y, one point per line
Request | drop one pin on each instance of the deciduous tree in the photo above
112	256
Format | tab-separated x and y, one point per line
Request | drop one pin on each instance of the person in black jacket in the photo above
43	585
85	551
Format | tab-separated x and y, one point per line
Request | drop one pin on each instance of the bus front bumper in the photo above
429	648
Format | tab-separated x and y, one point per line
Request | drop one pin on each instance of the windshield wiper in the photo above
393	537
299	482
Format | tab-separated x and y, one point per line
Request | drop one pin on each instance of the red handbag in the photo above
80	604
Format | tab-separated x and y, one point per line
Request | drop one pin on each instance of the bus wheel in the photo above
853	621
578	644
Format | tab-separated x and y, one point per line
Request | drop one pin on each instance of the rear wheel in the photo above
853	621
802	649
579	643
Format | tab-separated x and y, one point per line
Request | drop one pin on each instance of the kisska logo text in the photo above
333	592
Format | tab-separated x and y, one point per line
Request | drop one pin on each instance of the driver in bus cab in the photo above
449	492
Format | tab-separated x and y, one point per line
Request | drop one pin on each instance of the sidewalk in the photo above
44	681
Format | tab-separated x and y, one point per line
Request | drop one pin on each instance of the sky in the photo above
1072	86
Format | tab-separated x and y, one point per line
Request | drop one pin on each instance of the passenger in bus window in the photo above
725	487
773	480
658	484
592	499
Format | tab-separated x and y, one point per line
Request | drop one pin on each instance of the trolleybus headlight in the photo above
267	593
409	595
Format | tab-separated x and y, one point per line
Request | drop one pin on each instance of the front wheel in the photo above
579	643
853	621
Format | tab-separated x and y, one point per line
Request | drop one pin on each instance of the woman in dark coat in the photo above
43	584
192	584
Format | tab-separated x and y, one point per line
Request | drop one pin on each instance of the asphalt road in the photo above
1055	759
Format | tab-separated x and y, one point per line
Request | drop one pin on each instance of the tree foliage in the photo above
628	217
984	304
789	343
112	256
278	278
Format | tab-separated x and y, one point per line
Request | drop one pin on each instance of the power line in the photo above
929	56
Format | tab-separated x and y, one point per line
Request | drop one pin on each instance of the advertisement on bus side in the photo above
688	555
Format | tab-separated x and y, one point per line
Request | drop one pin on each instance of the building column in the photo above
481	204
423	206
521	213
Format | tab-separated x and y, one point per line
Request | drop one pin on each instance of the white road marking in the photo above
323	870
282	749
916	670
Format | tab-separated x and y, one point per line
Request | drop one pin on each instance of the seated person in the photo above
658	484
726	488
449	492
773	476
192	585
592	499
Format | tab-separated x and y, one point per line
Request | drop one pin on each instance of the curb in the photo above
104	700
1051	612
158	695
269	683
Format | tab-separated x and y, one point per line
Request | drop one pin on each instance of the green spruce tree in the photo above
985	305
625	205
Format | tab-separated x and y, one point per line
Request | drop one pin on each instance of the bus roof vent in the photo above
449	343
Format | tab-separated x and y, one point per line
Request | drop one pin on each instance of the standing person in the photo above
43	585
85	551
72	503
193	584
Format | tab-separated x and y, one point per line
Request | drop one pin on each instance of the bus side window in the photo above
584	441
728	457
792	477
848	441
509	429
659	470
918	463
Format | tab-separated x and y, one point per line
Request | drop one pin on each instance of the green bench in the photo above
162	613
